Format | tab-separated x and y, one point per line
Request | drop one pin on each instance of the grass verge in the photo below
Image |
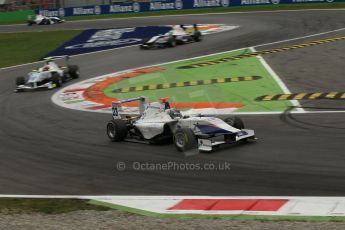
15	17
19	48
47	206
302	6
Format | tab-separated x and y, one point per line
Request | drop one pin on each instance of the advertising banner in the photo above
161	5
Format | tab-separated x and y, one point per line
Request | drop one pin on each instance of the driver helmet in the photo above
195	26
46	68
173	113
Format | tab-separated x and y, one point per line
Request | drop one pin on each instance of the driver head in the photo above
46	68
164	100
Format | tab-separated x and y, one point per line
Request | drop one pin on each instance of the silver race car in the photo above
51	75
178	35
43	20
157	122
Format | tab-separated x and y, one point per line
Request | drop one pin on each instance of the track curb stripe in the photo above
186	84
303	96
263	52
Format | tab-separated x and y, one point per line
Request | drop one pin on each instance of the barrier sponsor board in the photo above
159	5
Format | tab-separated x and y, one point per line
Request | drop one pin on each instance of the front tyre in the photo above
184	140
117	130
56	80
20	81
235	122
73	71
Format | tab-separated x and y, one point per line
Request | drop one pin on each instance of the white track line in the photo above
299	38
292	112
278	80
101	51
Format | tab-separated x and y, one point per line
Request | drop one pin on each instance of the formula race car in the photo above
44	20
178	35
48	76
157	122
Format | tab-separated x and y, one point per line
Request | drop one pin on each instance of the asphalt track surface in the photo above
45	149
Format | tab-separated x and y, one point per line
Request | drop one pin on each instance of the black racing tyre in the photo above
172	42
197	36
56	79
184	140
142	47
145	40
235	122
117	130
20	81
73	71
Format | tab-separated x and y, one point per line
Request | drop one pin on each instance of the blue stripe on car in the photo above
209	129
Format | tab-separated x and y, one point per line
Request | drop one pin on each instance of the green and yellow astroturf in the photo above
216	90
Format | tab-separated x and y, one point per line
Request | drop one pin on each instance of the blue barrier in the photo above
161	5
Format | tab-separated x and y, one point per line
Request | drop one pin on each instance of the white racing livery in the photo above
157	122
50	75
44	20
177	35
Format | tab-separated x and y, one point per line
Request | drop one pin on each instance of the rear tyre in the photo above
197	36
73	71
117	130
184	140
235	122
20	81
56	80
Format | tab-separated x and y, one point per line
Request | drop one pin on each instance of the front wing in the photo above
208	144
33	86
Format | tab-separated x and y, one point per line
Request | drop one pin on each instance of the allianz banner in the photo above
159	5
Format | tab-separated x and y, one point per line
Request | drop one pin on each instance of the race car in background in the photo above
179	34
50	75
157	122
43	20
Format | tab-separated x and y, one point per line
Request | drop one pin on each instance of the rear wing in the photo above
52	58
118	110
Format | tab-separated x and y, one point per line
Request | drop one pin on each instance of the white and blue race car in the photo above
179	34
50	75
44	20
156	122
